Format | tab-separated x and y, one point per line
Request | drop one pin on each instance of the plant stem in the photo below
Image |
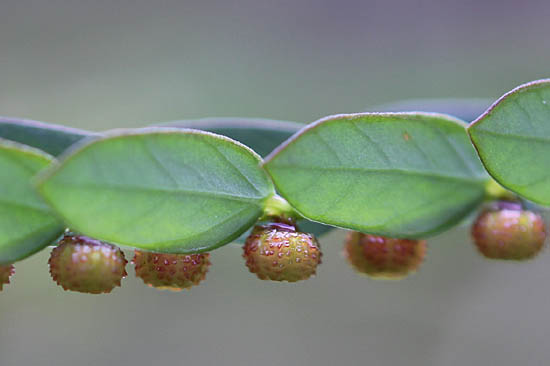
495	191
277	207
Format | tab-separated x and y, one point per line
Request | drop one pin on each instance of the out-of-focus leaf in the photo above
51	138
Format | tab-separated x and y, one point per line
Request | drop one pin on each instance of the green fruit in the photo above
381	257
6	271
87	265
173	272
506	231
279	252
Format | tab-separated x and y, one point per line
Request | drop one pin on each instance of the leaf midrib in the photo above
481	130
473	181
223	196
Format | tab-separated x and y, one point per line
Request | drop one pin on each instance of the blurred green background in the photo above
107	64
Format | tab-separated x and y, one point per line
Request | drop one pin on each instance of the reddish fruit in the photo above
381	257
279	252
87	265
6	271
506	231
173	272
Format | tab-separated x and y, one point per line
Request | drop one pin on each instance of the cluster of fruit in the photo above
278	251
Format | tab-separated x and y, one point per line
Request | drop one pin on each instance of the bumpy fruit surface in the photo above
173	272
506	231
6	271
381	257
86	265
279	252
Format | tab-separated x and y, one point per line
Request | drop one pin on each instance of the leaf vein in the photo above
233	166
374	143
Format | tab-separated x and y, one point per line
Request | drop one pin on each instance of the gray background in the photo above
105	64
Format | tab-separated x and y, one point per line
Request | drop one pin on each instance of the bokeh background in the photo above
106	64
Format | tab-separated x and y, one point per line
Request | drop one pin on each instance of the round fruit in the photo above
87	265
173	272
381	257
506	231
6	271
279	252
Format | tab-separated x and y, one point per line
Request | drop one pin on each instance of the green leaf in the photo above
27	224
261	135
513	140
159	189
394	174
54	139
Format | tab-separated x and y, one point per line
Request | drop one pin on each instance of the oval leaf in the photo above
261	135
513	140
27	224
54	139
166	190
394	174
